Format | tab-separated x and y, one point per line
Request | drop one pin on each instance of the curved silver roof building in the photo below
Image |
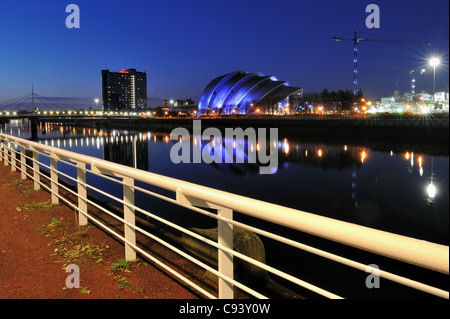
241	92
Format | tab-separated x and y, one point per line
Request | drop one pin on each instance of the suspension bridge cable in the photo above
13	101
20	101
41	102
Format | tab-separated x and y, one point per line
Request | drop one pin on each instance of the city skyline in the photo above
183	46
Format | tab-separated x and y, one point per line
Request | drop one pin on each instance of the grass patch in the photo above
33	206
71	246
123	266
79	253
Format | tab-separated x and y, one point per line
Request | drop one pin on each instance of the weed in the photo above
123	282
54	222
33	206
82	233
69	246
81	252
120	265
28	192
85	290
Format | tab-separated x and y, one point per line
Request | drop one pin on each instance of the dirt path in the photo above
38	240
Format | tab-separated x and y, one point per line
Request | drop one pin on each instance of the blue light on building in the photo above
240	92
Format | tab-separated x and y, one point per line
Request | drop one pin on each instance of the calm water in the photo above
386	189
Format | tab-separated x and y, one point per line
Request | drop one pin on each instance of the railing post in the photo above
130	232
54	178
82	194
13	157
225	260
225	239
5	153
36	175
23	168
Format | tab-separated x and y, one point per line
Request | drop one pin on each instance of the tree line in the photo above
332	100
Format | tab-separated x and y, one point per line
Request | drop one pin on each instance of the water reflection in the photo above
431	188
131	148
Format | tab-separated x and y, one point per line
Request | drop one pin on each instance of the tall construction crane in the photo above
356	41
413	79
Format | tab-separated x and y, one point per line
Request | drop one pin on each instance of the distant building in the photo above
441	96
425	97
240	92
175	103
415	103
124	90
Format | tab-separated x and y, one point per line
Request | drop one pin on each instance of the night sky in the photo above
183	45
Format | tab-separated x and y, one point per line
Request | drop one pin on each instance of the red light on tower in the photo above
123	71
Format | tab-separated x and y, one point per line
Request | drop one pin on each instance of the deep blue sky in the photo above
183	45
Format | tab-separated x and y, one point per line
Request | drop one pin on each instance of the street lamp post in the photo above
434	62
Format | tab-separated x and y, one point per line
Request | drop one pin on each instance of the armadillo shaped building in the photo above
241	93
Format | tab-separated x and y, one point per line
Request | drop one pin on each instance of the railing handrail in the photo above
418	252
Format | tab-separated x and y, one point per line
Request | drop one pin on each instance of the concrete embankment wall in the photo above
415	127
410	125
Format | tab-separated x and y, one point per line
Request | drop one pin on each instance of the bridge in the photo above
37	103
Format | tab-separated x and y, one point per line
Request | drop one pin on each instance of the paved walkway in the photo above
38	240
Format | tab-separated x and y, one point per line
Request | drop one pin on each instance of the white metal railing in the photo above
196	198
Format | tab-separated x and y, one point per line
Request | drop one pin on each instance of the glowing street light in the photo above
434	62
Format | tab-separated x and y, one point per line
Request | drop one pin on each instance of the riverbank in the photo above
417	126
38	240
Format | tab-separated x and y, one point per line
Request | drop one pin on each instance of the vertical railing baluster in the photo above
225	260
13	157
5	153
225	239
129	216
54	178
23	168
82	194
36	175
